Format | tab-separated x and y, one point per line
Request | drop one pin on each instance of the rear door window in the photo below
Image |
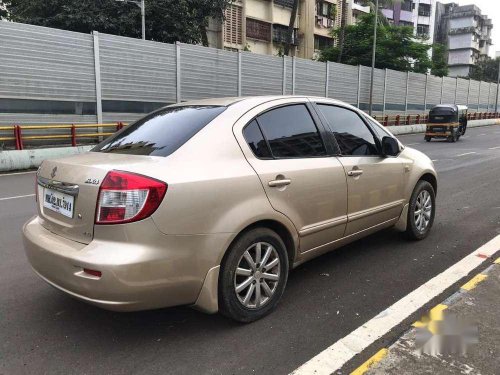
291	132
162	132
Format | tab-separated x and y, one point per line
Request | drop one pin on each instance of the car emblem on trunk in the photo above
53	174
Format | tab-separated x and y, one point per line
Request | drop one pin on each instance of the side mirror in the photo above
390	147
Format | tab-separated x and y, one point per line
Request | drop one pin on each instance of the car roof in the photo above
256	100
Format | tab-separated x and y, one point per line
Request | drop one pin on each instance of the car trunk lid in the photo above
68	188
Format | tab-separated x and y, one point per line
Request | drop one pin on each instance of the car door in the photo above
375	183
300	177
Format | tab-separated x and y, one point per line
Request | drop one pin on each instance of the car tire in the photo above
421	212
249	291
427	139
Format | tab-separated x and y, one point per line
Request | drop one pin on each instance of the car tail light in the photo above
126	197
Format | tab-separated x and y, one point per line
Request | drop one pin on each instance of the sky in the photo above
492	9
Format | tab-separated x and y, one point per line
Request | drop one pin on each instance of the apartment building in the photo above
419	14
357	9
261	26
467	34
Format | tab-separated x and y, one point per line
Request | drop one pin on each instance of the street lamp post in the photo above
373	58
141	5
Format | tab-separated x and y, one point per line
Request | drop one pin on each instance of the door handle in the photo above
280	183
355	173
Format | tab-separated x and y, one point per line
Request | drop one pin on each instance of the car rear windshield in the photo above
162	132
442	118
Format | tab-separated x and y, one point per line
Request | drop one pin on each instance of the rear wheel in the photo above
253	275
427	139
421	211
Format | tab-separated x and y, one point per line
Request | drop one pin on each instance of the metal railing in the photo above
19	138
398	120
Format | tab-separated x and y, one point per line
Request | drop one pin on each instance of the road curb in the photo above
416	129
350	348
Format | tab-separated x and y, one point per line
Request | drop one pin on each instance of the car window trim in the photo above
315	120
378	143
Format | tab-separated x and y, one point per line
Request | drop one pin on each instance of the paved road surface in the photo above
44	331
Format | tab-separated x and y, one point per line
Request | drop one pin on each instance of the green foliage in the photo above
166	20
485	70
439	60
397	47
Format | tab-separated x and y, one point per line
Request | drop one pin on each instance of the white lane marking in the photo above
412	144
467	153
433	160
17	197
13	174
479	135
494	148
337	355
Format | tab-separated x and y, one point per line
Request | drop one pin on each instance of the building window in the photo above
258	30
322	42
405	23
325	9
423	30
424	10
233	25
280	33
407	5
284	3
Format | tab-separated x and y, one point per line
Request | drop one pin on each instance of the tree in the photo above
397	47
439	60
166	20
486	70
343	23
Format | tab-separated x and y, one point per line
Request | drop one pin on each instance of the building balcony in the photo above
464	30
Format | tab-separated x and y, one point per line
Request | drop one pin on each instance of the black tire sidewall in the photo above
229	305
412	231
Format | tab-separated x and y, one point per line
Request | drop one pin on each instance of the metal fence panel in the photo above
208	72
261	74
473	96
395	91
462	90
343	83
449	87
433	91
43	63
493	97
483	98
416	93
311	77
378	89
289	75
137	70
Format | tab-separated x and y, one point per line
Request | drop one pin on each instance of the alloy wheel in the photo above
423	211
257	275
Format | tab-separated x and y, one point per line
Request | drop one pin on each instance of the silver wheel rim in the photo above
423	211
257	276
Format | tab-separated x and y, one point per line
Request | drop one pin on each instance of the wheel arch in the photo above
431	179
290	241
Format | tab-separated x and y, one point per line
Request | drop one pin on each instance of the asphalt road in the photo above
45	331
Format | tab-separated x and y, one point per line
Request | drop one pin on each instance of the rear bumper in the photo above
151	271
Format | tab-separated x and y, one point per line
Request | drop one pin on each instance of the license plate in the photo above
58	202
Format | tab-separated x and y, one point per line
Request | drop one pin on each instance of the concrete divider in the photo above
28	159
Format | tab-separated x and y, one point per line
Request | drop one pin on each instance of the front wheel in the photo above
253	275
421	211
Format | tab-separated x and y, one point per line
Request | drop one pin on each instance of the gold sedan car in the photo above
211	203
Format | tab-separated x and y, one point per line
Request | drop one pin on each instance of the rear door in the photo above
375	183
301	178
